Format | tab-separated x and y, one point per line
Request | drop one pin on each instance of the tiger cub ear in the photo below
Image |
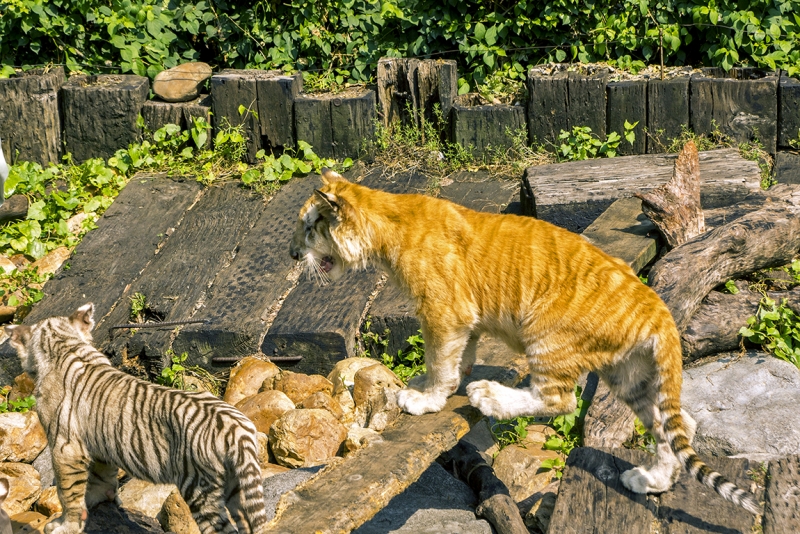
83	318
18	335
329	176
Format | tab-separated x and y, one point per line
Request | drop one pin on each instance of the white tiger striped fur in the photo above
98	418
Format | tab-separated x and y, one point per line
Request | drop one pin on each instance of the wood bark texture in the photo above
674	207
769	237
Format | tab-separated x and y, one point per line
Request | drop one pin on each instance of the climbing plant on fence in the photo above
343	40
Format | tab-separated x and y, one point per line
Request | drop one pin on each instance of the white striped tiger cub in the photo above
98	418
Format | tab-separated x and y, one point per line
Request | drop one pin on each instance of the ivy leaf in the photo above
480	31
560	55
491	36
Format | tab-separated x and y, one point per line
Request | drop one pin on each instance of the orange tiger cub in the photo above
548	293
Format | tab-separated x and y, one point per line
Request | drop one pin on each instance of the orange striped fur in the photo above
548	293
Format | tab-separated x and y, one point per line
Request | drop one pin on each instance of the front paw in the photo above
417	403
481	396
60	526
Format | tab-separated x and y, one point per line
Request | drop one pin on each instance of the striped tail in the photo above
675	431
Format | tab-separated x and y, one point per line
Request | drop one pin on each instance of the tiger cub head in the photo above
329	235
32	347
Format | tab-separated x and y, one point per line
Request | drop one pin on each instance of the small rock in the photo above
345	370
20	261
15	207
538	508
176	517
263	448
193	383
25	486
44	466
359	438
48	503
305	438
7	313
375	395
518	468
7	266
144	497
265	408
22	437
345	401
270	470
181	83
322	400
50	262
28	522
23	387
299	386
247	377
75	223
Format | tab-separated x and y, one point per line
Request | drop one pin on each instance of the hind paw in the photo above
640	480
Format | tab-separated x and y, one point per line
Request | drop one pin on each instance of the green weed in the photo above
19	405
776	328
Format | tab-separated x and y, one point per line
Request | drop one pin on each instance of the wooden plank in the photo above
548	98
667	111
29	117
392	314
100	113
627	101
744	109
574	193
788	110
692	508
591	498
312	122
625	232
243	293
112	256
349	492
782	508
276	96
609	421
587	101
481	127
353	124
591	490
437	83
230	89
176	281
787	168
317	325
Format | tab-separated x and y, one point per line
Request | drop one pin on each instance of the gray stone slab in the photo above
276	485
437	503
745	406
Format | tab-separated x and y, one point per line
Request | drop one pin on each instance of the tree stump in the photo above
787	168
336	125
29	116
415	86
100	113
674	207
627	101
788	110
485	127
157	114
741	104
276	96
667	111
769	237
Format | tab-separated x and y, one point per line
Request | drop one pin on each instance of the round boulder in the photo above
22	437
181	83
25	486
322	400
265	408
247	377
299	386
343	373
305	438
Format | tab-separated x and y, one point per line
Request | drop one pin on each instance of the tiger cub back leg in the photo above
207	504
245	500
102	484
71	469
638	391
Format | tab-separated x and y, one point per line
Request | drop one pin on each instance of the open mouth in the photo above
326	264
